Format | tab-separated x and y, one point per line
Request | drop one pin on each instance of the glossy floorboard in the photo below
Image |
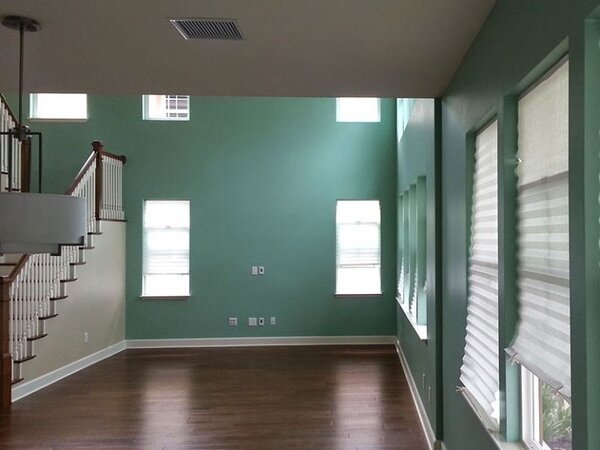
333	397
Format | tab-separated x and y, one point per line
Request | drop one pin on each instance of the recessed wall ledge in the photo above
421	330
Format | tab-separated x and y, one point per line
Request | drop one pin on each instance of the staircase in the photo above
32	286
8	121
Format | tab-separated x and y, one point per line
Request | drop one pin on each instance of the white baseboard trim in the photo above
26	388
260	341
432	442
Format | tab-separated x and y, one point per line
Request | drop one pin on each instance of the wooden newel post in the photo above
5	362
26	165
98	149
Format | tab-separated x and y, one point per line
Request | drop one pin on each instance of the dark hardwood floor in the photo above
332	397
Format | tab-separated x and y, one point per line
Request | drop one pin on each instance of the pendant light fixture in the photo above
35	222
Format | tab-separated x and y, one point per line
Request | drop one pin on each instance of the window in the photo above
359	109
402	237
480	367
547	423
358	251
542	343
166	107
166	248
412	255
58	106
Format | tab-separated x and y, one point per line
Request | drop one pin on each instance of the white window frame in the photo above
531	411
480	371
78	116
413	298
342	114
338	293
146	110
151	295
532	408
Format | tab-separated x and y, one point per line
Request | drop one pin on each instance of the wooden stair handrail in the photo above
13	274
97	148
81	173
121	158
5	357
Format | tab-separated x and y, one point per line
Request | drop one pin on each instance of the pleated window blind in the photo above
400	250
411	279
406	259
480	371
358	247
543	337
166	248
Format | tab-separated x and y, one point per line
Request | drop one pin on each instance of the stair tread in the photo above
68	280
51	316
35	338
20	361
83	247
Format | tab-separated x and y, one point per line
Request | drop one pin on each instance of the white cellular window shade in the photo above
400	249
408	199
166	248
418	300
358	247
480	367
412	255
166	107
542	344
58	106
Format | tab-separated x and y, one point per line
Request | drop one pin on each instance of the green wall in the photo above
263	176
520	40
418	151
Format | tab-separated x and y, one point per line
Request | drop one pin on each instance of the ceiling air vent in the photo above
208	28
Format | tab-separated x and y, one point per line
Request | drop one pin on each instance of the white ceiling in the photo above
323	48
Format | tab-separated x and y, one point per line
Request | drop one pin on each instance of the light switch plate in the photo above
254	270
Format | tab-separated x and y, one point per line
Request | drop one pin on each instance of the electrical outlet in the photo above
273	320
261	270
261	321
86	337
233	321
254	270
252	321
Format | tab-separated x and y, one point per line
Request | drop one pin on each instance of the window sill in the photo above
494	435
375	294
63	120
165	297
170	119
421	330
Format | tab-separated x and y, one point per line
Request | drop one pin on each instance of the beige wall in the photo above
95	304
